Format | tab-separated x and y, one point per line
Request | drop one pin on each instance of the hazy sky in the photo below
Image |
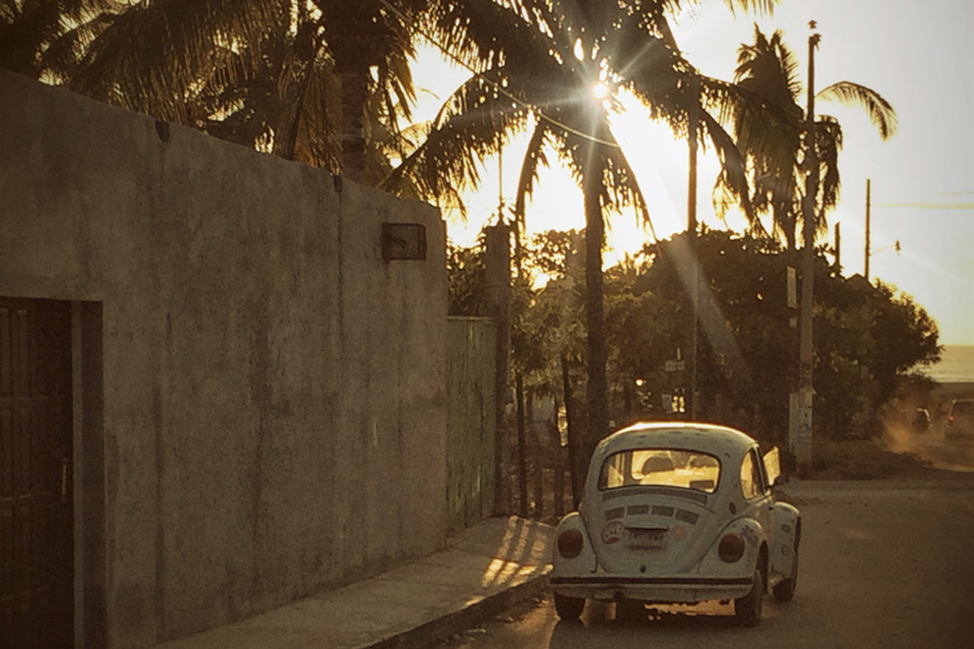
919	56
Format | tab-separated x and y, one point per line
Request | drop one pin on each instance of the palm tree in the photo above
305	80
536	69
772	130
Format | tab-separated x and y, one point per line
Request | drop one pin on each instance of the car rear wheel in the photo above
785	591
569	608
747	609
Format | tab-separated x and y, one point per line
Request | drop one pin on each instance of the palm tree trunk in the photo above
576	472
598	404
354	96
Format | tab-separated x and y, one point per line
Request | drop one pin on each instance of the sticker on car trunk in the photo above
612	532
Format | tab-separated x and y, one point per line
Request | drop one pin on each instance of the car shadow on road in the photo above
606	620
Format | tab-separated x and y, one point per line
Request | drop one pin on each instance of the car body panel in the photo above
785	545
659	543
960	421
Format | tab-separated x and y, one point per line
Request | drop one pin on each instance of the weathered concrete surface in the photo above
491	566
273	401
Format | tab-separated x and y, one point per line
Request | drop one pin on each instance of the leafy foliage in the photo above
467	284
306	80
870	339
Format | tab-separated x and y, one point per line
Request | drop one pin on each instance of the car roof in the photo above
710	438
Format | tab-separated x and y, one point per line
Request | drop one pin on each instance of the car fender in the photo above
787	526
583	564
754	538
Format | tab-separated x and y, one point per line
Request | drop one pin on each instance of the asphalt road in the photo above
885	564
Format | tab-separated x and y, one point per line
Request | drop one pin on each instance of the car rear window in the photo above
660	467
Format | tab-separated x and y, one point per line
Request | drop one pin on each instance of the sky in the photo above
919	56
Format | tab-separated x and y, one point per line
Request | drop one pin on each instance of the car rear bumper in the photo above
652	589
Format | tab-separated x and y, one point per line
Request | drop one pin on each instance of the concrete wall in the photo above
273	391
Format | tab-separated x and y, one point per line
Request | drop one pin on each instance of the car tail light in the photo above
731	547
570	544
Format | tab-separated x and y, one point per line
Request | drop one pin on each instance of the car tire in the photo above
569	608
748	609
785	591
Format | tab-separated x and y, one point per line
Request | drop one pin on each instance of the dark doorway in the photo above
36	501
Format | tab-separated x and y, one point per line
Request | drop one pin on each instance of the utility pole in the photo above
497	280
868	188
803	447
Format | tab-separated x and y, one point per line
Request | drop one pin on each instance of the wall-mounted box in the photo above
403	241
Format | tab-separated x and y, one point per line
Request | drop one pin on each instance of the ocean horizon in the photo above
956	365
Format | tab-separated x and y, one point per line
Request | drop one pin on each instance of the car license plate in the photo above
652	538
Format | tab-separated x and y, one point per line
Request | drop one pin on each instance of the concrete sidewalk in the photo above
484	570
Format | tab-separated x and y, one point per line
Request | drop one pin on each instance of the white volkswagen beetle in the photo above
678	512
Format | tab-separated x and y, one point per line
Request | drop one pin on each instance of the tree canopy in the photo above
872	340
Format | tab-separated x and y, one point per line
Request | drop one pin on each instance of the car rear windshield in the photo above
660	467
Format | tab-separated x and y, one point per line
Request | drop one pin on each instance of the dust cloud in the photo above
904	432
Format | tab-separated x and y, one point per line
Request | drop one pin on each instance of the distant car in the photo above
960	421
677	512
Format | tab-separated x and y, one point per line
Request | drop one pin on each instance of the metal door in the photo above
36	512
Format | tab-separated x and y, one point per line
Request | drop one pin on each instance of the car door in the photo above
757	492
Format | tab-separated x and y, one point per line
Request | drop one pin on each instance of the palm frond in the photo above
828	144
880	111
534	158
621	186
475	32
732	181
9	10
754	6
306	131
156	55
63	56
473	124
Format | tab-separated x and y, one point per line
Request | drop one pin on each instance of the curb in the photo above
441	628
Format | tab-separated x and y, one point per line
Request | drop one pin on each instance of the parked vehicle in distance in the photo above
677	512
960	421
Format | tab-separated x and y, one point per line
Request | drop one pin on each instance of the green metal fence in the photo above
470	421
